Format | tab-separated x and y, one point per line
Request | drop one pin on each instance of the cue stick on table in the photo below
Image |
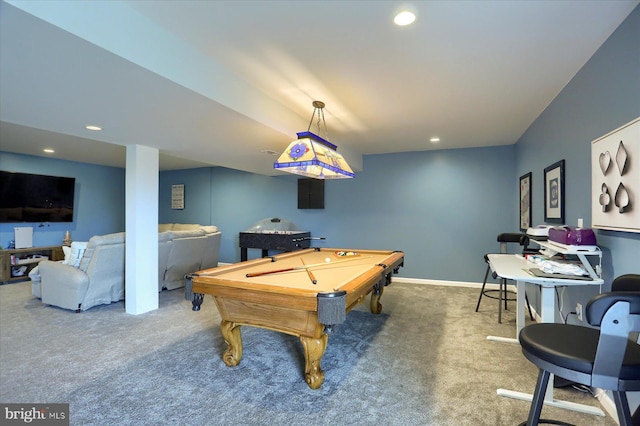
311	276
296	268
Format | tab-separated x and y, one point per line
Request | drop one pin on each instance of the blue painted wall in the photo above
442	208
197	196
98	201
603	95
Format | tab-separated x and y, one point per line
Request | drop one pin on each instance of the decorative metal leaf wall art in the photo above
621	158
615	179
622	199
605	162
605	198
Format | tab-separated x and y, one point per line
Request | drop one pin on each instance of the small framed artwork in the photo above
554	193
525	202
177	197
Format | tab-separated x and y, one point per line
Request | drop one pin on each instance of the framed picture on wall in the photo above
615	179
525	202
177	197
554	193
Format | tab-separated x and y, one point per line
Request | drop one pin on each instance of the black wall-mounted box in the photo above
310	193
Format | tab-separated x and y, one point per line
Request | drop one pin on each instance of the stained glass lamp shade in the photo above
312	156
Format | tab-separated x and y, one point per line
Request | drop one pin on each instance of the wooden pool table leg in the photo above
313	351
231	333
376	294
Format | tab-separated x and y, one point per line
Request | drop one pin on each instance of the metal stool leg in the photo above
500	292
484	283
622	406
526	299
538	398
505	294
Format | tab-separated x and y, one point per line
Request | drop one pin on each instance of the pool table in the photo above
294	293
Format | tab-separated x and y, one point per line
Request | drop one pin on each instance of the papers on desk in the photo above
552	267
563	270
540	273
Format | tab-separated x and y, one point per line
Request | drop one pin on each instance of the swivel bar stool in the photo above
503	239
606	357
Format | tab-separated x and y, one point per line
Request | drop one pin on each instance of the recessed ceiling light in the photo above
404	18
48	150
90	127
434	140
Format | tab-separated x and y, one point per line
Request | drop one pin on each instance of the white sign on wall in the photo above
177	197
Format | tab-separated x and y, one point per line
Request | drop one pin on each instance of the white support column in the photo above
141	263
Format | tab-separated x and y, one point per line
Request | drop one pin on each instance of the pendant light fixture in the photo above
312	156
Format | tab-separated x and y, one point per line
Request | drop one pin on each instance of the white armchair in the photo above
99	279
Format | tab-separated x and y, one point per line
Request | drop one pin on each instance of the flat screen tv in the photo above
26	197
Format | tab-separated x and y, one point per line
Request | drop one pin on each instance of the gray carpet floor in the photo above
424	361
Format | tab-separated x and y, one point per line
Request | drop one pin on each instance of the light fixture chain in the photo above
326	131
318	107
311	121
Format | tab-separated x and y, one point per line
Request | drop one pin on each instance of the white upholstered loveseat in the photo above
99	277
184	248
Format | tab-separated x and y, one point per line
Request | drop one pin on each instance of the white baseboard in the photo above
489	286
437	282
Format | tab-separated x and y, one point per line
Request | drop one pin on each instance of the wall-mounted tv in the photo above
26	197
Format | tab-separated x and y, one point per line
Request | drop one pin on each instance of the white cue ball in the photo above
328	259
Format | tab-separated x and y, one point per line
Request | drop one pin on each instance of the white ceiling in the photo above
217	82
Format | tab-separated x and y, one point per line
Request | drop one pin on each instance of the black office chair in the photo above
503	239
606	358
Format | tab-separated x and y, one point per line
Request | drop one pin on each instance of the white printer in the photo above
540	232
